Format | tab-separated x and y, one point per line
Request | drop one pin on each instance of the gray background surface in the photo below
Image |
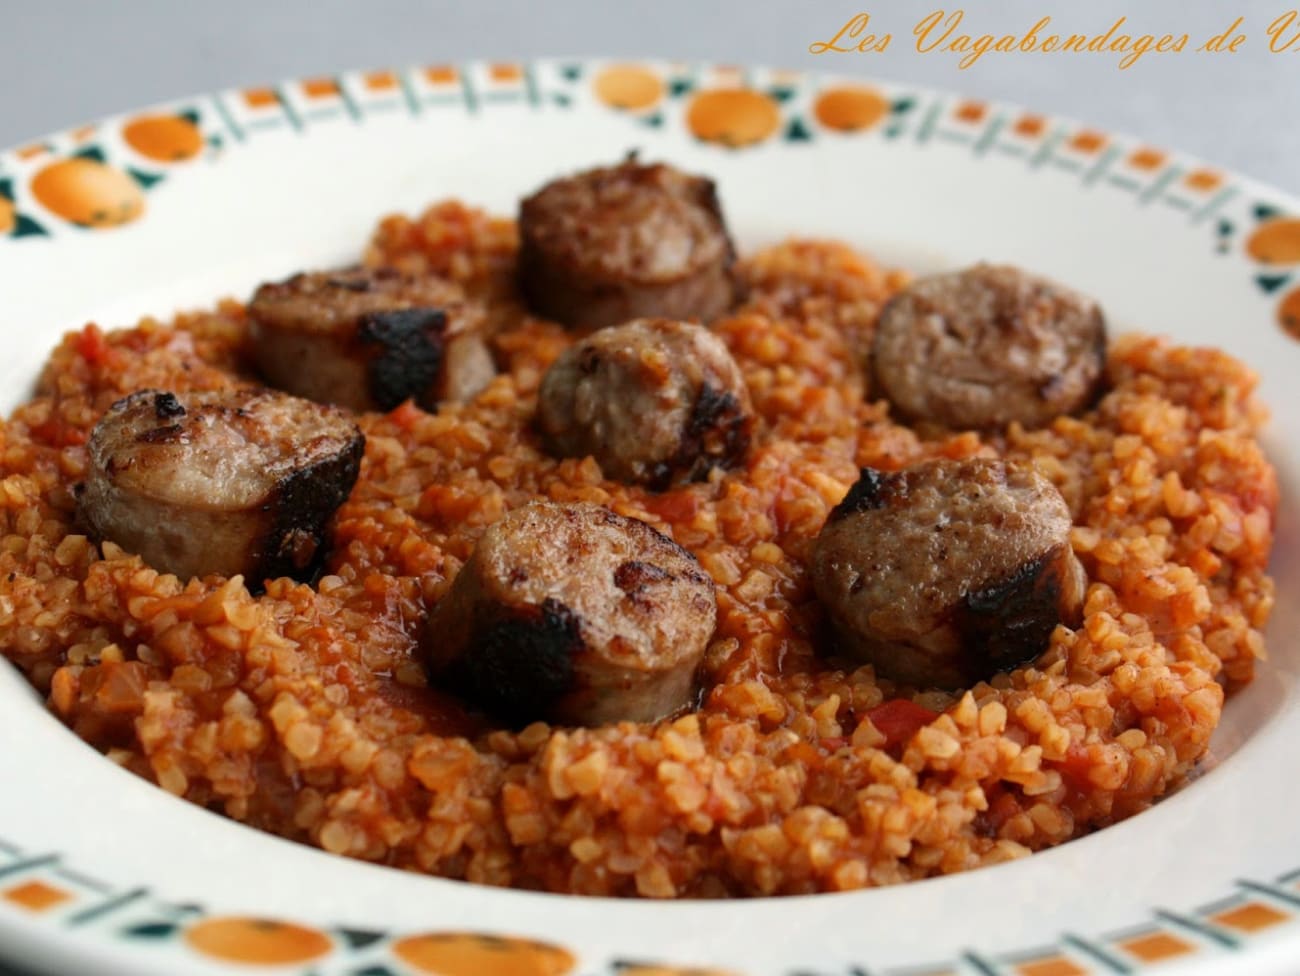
67	62
71	61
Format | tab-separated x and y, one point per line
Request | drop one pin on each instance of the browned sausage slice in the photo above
368	338
574	614
623	242
224	483
949	571
983	347
654	401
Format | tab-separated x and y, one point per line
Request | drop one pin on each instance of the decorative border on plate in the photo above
97	177
42	887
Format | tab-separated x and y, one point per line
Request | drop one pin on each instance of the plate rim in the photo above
1286	202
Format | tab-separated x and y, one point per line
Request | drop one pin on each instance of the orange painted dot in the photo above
850	108
256	941
440	74
320	87
467	954
166	138
1053	966
1157	946
1288	313
1251	917
8	215
88	192
1029	125
505	72
380	80
1203	180
970	111
1276	241
261	97
732	116
36	896
82	133
1147	159
1088	141
628	86
32	151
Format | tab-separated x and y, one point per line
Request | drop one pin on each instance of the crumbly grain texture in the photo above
304	711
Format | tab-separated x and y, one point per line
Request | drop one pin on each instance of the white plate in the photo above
101	872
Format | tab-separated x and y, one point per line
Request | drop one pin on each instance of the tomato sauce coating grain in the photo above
306	710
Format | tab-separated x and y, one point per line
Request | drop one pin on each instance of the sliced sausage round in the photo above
626	241
220	483
654	401
369	338
574	614
950	571
983	347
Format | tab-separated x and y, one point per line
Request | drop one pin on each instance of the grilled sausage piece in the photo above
225	483
947	572
625	241
574	614
368	338
654	401
982	347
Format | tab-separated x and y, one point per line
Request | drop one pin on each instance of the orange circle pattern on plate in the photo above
732	116
850	108
628	86
468	954
257	941
1288	313
8	215
88	192
166	138
1276	242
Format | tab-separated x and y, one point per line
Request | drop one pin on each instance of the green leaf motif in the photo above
146	180
653	121
571	72
902	105
797	131
782	93
90	152
190	115
1226	228
359	938
1266	211
1271	283
373	971
150	930
680	86
561	99
24	226
7	189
